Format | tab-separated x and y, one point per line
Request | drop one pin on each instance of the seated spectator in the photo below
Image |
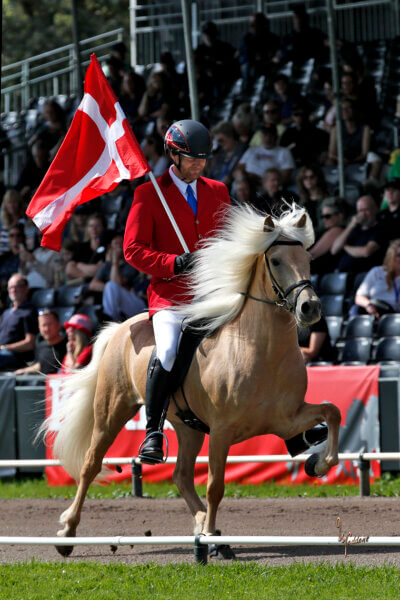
273	198
229	151
79	350
362	86
307	142
50	345
53	128
131	93
12	213
271	115
313	190
243	191
303	42
389	218
18	326
285	96
76	228
175	80
257	49
153	149
333	215
114	71
315	343
255	161
39	266
156	100
9	262
117	281
356	137
329	116
116	203
362	242
33	171
244	121
91	254
379	292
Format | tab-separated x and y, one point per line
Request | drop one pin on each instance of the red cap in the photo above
82	322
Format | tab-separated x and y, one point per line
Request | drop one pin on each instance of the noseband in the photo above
283	300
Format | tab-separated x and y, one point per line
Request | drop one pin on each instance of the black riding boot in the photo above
302	442
157	398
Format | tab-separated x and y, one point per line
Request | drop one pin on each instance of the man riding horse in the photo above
151	246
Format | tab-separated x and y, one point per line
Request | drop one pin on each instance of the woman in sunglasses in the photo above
333	215
313	190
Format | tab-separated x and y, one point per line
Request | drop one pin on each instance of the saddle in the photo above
190	340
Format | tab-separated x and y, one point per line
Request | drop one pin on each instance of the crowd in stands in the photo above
277	143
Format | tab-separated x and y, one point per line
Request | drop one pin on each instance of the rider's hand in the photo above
184	263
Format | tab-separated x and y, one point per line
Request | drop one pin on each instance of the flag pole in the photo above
167	210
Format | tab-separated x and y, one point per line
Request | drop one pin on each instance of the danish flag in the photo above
98	151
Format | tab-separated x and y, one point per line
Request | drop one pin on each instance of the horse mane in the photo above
224	264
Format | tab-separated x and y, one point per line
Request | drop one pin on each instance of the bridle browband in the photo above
283	301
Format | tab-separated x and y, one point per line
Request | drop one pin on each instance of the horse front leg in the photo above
218	452
189	446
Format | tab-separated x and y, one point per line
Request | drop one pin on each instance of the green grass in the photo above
64	581
37	488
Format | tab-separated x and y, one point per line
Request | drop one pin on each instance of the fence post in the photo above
363	467
137	483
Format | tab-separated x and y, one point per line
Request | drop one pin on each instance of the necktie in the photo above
191	198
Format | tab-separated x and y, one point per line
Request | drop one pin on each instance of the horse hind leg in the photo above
189	446
104	433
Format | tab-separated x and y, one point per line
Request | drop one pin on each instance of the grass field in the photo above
63	580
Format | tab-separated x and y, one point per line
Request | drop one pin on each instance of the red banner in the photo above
354	390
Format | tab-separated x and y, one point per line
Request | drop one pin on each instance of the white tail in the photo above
76	412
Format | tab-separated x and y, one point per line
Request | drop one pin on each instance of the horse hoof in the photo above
309	467
64	550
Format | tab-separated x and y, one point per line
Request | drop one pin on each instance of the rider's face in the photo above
191	168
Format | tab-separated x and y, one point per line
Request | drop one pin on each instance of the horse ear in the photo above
268	224
302	221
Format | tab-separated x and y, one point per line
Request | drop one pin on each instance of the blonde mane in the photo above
224	264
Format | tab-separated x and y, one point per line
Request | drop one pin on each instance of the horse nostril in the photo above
306	308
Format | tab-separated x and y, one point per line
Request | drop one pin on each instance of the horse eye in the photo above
275	262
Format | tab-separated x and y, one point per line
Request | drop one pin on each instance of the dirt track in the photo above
133	516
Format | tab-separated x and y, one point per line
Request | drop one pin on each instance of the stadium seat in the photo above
360	326
64	312
387	350
332	304
69	295
388	325
356	351
42	298
335	324
333	283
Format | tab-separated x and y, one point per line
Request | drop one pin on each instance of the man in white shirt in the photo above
256	160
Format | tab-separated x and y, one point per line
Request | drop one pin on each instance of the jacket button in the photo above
200	236
197	221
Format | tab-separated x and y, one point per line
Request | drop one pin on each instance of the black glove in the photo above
184	263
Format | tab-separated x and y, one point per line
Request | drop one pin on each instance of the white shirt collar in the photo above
182	185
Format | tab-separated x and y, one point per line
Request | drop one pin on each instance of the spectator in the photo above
361	243
91	254
389	218
315	343
307	142
273	198
271	115
79	351
333	215
285	97
50	345
76	228
52	131
117	280
256	160
313	190
38	266
34	170
176	80
9	262
229	151
364	86
12	213
257	49
153	149
303	42
114	71
329	117
379	291
156	100
243	191
356	141
18	326
244	121
130	96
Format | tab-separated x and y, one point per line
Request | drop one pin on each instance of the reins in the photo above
283	301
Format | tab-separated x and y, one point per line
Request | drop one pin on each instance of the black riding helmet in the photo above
188	138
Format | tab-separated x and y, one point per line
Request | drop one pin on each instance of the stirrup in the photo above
149	460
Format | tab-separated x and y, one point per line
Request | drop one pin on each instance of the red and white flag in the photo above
98	151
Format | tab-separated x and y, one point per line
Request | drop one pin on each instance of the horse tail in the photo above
75	415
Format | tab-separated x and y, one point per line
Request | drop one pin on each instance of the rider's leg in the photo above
303	441
167	330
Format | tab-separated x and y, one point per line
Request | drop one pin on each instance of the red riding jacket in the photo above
151	244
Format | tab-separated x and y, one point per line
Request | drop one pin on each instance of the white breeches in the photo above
167	326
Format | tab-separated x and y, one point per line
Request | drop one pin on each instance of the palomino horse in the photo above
251	286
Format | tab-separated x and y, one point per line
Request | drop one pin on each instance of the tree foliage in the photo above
34	26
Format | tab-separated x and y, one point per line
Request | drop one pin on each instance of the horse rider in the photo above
152	246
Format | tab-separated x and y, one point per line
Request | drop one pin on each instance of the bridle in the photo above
282	294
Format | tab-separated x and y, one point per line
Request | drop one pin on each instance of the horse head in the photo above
288	265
